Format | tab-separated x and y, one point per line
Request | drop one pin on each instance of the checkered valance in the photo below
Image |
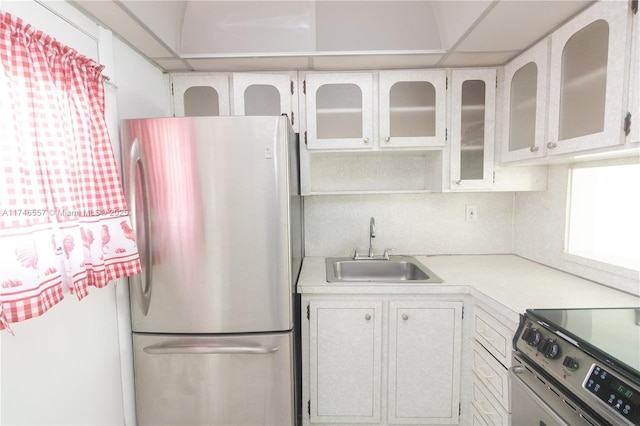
63	218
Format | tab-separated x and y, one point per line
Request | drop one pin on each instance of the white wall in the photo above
410	223
72	365
539	232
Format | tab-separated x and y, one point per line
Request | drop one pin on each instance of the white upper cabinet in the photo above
376	110
588	97
339	111
197	95
473	109
265	94
524	101
412	108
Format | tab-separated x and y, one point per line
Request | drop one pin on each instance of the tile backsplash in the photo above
427	224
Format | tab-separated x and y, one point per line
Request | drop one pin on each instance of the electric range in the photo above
577	366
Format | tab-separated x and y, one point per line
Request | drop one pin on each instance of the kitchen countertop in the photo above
508	283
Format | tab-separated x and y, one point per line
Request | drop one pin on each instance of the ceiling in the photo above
245	35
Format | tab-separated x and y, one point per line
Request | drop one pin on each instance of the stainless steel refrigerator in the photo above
217	213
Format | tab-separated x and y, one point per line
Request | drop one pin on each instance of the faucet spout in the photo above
372	234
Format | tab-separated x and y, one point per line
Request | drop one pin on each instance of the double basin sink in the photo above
396	269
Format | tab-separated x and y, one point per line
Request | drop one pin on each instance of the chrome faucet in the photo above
372	234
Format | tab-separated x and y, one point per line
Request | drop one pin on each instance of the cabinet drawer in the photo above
490	410
476	417
492	374
493	335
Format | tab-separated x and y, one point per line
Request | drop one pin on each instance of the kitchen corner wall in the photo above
428	224
69	366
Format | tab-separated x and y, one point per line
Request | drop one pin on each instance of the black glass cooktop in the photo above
613	332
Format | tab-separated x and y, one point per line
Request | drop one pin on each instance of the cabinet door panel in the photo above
345	339
587	80
473	110
200	94
424	362
264	94
412	108
525	102
339	111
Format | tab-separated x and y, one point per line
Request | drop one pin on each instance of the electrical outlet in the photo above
471	213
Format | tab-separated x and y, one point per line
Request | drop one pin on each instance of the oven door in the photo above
536	401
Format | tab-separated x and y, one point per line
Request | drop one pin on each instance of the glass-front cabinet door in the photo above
473	105
339	111
197	95
587	79
412	108
524	98
264	94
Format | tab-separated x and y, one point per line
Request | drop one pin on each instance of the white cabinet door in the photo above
424	362
587	90
200	94
345	356
339	111
473	110
524	99
265	94
412	108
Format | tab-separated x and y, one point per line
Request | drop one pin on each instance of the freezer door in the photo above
211	200
200	380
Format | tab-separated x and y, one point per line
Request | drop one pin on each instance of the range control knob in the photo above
550	348
532	336
570	363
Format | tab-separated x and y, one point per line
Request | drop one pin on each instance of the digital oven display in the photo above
614	392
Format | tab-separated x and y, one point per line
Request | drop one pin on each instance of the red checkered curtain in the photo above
63	218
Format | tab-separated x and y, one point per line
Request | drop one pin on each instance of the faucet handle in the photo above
385	255
356	256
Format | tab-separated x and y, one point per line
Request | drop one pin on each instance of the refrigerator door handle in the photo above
208	348
141	283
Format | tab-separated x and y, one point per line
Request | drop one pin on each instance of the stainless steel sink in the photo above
397	269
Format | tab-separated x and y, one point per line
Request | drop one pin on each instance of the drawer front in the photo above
476	418
493	335
492	374
490	410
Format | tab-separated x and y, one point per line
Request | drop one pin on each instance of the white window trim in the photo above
586	261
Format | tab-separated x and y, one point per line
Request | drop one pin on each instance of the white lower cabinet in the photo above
424	347
345	350
382	361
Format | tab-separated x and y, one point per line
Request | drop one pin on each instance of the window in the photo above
604	213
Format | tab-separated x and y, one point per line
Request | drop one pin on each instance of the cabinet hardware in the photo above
309	407
367	317
634	6
308	312
291	87
292	118
305	137
304	87
387	139
552	145
534	149
627	124
405	317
